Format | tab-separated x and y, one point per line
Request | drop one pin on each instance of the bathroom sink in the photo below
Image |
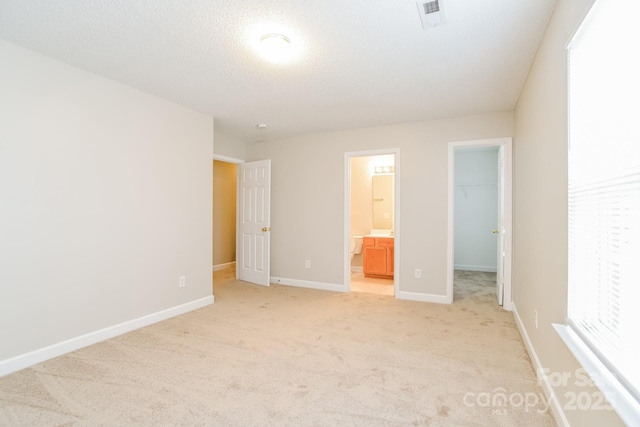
380	233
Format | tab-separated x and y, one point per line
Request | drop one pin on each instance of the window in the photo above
604	196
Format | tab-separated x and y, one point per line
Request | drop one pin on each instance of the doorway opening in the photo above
371	221
479	237
225	174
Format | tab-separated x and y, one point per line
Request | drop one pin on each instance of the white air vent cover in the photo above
431	13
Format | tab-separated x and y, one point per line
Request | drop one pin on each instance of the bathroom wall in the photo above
361	201
476	208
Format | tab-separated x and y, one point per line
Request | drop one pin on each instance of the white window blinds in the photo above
604	187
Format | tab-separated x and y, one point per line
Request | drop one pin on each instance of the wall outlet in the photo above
418	273
182	282
535	317
307	264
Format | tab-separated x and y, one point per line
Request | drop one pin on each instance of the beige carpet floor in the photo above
285	356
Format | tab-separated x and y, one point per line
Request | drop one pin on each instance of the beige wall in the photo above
224	212
540	211
308	196
227	146
106	201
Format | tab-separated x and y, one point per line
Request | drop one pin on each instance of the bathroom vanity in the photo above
377	260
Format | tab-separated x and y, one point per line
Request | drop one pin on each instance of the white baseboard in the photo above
307	284
22	361
555	406
356	269
415	296
223	266
487	268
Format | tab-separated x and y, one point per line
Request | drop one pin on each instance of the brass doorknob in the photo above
495	231
265	229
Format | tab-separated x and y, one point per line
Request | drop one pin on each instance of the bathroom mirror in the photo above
383	201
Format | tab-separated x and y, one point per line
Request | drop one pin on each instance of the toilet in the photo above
356	246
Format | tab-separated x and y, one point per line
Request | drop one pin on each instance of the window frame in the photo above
621	399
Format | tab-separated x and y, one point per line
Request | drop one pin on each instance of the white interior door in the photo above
254	219
501	227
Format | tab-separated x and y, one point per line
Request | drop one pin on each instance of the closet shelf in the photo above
465	187
477	185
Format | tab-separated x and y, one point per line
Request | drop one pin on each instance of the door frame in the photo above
507	143
347	215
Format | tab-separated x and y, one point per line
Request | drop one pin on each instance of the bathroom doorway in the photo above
371	222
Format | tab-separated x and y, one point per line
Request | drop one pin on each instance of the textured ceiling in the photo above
362	62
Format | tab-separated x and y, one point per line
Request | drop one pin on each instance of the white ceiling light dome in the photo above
276	48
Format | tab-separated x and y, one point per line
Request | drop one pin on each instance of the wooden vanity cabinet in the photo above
377	256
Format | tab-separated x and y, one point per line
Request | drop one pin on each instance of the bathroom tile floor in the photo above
371	285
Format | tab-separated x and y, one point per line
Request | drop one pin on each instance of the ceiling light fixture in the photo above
275	47
385	169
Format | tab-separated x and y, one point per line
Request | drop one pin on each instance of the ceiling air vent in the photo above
431	7
430	13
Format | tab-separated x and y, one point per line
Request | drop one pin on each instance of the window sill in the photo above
617	395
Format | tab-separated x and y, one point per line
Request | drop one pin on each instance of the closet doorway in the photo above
480	212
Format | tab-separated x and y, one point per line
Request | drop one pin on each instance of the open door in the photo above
500	227
254	202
